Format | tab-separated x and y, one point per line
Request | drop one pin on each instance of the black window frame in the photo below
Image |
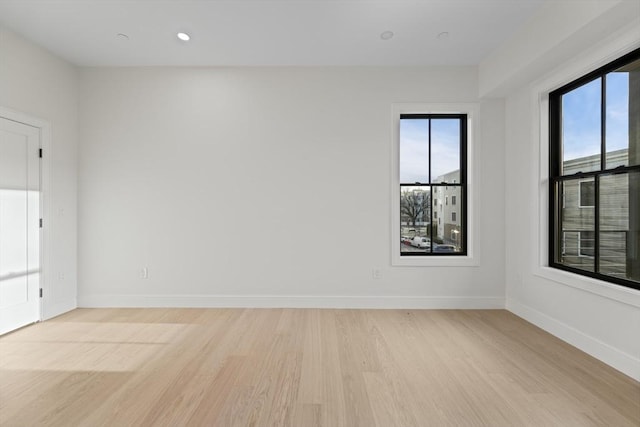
463	117
556	200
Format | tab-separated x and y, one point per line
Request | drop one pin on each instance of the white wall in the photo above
38	84
556	32
264	186
597	317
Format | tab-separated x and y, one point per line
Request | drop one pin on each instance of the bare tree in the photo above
414	206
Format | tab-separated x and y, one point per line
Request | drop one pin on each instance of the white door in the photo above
19	225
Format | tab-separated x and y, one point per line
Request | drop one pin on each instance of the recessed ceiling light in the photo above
386	35
443	35
184	37
122	36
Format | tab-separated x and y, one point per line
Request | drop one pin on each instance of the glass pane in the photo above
577	224
587	243
581	139
414	151
623	110
415	219
620	225
447	229
613	248
586	194
614	202
445	150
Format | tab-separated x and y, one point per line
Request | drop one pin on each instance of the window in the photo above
453	200
594	205
432	165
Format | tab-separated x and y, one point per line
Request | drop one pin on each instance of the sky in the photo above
414	148
581	117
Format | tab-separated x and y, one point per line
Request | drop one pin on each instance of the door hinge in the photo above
40	153
40	292
40	222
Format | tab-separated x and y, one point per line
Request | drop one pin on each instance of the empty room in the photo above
319	213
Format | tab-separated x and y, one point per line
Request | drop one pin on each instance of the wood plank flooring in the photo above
304	367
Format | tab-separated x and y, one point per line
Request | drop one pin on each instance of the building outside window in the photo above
594	180
432	168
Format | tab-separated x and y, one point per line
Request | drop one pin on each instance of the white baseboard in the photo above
291	301
623	362
56	308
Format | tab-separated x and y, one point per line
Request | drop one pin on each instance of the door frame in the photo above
45	200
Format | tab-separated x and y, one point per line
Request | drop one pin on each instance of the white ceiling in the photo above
267	32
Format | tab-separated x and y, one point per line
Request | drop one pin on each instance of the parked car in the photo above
444	248
405	240
421	242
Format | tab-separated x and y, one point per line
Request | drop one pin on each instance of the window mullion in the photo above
596	219
463	152
429	143
430	230
555	143
603	123
596	178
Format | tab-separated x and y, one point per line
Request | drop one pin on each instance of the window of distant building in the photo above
586	194
586	242
432	165
594	135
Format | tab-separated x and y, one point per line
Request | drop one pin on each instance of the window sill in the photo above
434	261
601	288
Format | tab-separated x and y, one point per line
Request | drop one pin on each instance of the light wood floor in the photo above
286	367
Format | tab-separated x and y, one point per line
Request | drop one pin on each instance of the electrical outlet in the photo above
376	273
